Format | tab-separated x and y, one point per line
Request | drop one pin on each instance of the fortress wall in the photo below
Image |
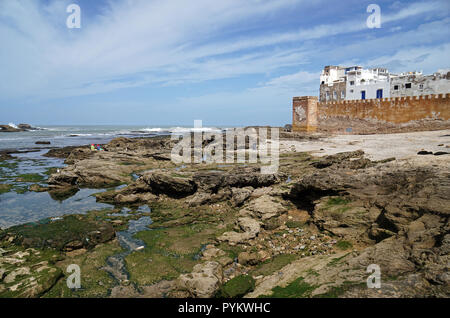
410	113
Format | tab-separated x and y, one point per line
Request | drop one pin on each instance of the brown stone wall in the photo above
375	115
304	113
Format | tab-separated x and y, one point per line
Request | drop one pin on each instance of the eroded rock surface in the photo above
204	281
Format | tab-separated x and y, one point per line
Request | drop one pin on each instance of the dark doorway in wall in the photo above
363	94
379	93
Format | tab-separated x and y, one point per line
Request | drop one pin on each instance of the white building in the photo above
416	84
367	84
332	74
354	83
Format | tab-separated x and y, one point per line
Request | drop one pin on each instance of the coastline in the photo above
330	209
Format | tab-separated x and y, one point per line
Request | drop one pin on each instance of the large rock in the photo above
24	126
209	181
212	252
346	218
240	195
98	172
424	232
250	227
20	127
7	128
63	178
203	282
214	186
200	198
135	193
234	238
135	198
63	152
240	177
79	154
141	145
395	196
392	255
352	160
165	183
264	207
245	258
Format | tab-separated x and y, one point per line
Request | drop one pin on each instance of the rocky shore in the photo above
18	128
311	229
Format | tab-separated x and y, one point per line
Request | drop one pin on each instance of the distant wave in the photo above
12	125
154	129
79	135
202	129
12	139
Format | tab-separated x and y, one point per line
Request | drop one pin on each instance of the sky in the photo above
227	62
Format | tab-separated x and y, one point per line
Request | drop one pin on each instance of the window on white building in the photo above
395	87
408	85
352	82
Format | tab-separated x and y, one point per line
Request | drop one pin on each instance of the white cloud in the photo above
305	82
131	43
137	42
416	59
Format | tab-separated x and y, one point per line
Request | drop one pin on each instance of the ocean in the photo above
19	205
61	136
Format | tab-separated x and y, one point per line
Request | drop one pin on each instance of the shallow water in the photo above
32	206
126	239
115	265
17	208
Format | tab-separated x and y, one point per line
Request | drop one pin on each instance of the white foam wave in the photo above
153	129
202	129
80	135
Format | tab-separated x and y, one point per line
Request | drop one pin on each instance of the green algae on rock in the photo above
27	272
62	233
237	287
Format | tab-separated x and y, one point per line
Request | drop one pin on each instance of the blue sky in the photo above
228	62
